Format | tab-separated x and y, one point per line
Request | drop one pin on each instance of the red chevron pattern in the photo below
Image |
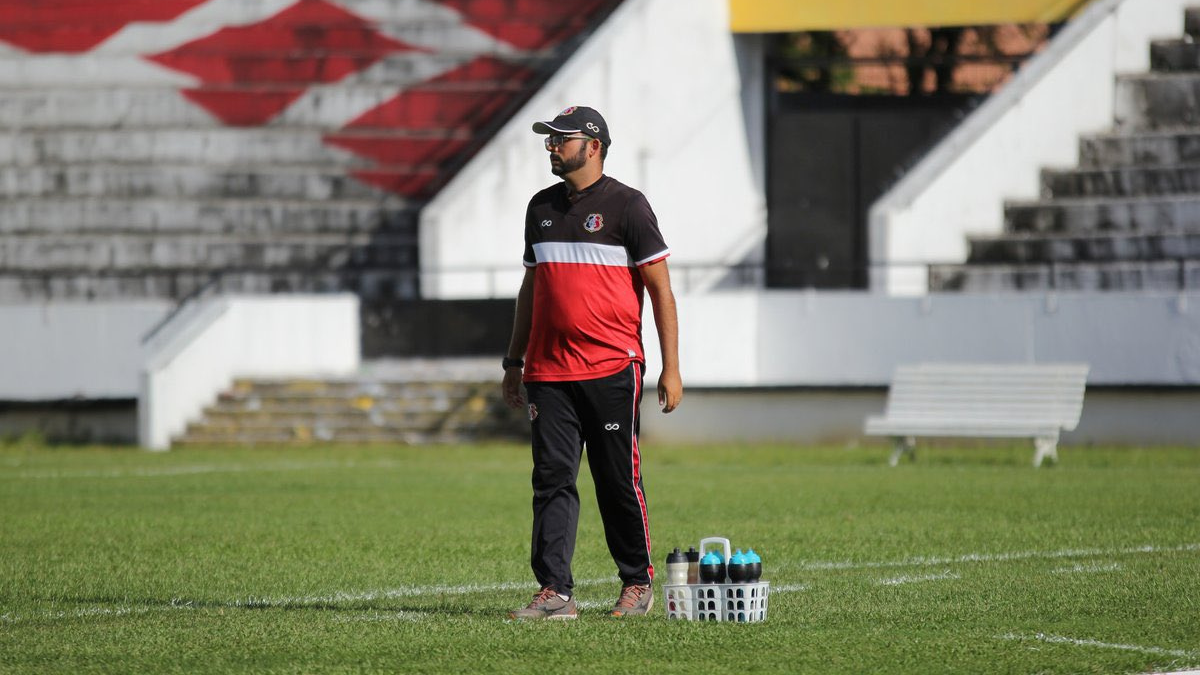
73	26
253	73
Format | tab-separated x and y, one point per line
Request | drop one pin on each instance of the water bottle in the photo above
754	565
677	568
739	568
693	569
712	568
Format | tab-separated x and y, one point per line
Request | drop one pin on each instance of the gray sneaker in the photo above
546	605
634	601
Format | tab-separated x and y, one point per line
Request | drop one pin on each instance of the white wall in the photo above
804	339
64	350
201	352
1035	121
665	77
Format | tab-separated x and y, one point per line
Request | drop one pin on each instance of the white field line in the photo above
1077	642
921	561
897	581
1085	568
86	612
789	588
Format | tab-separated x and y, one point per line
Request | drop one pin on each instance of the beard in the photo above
569	164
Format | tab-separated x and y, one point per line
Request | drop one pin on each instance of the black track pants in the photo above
603	416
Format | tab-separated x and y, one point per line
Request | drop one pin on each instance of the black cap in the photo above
676	556
576	119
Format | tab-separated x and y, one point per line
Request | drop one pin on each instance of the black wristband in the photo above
512	363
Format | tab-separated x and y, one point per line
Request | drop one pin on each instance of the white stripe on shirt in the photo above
578	252
606	255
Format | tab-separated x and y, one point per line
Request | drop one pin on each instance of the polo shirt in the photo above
588	293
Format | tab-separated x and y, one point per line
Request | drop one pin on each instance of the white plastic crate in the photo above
744	603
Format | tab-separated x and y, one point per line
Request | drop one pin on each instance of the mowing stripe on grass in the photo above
921	561
1078	642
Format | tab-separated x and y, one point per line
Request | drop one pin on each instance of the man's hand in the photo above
511	386
670	390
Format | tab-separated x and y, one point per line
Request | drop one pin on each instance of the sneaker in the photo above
634	601
547	604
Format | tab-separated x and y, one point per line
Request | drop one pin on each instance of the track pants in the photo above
602	415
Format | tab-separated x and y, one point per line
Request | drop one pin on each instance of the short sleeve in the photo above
643	239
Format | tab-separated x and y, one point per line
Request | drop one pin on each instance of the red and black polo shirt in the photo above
588	293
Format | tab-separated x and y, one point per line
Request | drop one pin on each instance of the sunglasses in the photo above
558	140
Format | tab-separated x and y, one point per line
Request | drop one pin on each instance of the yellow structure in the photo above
781	16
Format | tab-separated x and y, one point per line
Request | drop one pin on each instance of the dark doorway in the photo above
829	158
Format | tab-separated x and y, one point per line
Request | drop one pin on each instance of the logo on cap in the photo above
594	222
567	111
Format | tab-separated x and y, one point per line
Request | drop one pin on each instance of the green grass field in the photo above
406	560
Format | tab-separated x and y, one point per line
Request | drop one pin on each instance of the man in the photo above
592	245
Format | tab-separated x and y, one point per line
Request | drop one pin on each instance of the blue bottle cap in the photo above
752	557
738	558
711	558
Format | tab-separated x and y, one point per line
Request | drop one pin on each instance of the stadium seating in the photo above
1128	217
151	147
396	411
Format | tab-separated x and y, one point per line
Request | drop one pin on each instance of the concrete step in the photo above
305	436
1128	181
1169	146
178	145
53	284
1045	248
395	70
355	410
1133	277
446	387
1175	213
145	252
1174	55
332	106
196	181
232	216
1157	100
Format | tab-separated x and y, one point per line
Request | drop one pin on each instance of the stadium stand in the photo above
152	148
1128	217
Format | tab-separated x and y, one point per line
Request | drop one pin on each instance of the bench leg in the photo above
1046	448
902	445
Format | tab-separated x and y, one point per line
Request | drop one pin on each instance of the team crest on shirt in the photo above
594	222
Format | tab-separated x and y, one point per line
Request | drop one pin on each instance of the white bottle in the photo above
677	568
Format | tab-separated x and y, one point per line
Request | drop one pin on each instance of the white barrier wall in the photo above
665	76
202	350
997	153
74	350
801	339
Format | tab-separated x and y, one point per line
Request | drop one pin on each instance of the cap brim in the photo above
549	128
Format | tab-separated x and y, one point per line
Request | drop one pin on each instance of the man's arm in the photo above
658	285
522	321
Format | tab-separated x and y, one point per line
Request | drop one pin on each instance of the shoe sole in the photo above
553	617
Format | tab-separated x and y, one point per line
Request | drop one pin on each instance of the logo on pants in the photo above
612	426
532	412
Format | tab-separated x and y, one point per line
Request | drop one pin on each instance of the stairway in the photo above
1128	217
360	411
148	149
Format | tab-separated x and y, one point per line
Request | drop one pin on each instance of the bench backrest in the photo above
1050	393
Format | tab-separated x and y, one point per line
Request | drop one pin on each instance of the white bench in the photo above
982	400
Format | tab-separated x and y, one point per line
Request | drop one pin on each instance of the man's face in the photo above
563	161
